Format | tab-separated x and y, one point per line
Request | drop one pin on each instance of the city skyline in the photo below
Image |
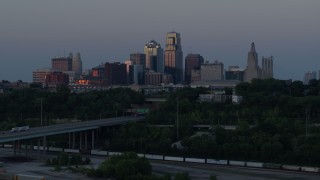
35	31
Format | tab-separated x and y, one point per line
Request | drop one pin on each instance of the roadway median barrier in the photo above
255	164
71	150
237	163
171	158
290	167
272	165
153	157
195	160
310	169
219	162
101	153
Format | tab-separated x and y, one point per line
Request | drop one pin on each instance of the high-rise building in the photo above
62	63
154	56
212	71
116	73
234	73
192	62
309	76
173	57
267	67
136	74
129	70
138	58
77	65
252	71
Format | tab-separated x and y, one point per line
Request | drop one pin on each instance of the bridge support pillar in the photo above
26	146
92	140
38	146
14	148
19	147
73	140
69	140
31	145
85	140
44	145
80	141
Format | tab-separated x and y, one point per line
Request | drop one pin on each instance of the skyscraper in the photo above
192	62
77	65
62	63
154	56
138	58
267	67
173	57
116	73
252	71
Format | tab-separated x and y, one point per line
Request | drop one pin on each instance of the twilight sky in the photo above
34	31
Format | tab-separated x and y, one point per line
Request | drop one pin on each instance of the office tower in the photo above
309	76
116	73
252	71
62	63
267	67
77	65
136	74
212	71
39	75
173	57
138	58
128	63
192	62
154	56
129	71
234	73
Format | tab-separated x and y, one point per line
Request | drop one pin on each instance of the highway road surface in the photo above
195	171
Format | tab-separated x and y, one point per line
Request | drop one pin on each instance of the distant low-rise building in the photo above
309	76
234	73
236	99
39	75
216	98
195	75
212	71
153	78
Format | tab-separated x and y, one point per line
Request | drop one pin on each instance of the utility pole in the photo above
177	118
41	112
307	118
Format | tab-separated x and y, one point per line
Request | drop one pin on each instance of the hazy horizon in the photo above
34	31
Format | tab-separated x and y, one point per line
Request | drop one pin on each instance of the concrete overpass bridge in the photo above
83	129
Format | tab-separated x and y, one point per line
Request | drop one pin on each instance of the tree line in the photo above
23	107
